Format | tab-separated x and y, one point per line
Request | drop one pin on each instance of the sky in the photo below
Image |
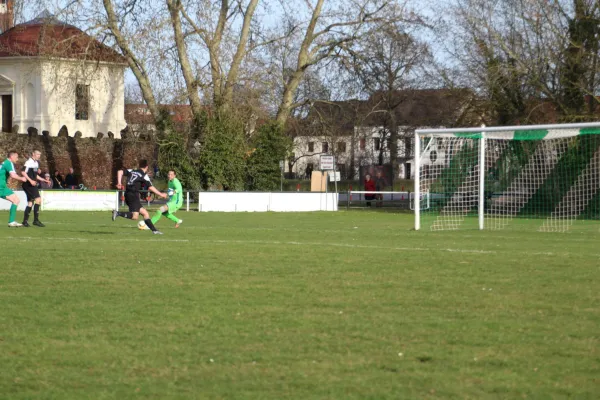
269	17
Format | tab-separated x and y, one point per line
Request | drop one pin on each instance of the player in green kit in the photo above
175	201
8	169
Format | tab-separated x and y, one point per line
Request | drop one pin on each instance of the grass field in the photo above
347	305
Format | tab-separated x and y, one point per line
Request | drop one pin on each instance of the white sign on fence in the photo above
334	176
327	163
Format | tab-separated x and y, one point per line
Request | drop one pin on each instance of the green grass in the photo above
347	305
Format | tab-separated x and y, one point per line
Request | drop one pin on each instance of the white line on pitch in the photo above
562	238
359	246
293	243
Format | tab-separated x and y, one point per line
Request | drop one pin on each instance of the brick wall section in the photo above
95	160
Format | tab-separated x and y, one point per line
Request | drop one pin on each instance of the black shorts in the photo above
132	199
32	192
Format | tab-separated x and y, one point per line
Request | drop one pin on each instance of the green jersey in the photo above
177	196
5	169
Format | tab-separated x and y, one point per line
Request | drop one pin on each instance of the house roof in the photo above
46	36
427	107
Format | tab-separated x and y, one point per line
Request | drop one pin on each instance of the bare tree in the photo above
137	65
214	28
329	28
524	54
385	63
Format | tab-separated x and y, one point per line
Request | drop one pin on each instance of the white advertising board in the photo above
79	200
5	204
257	202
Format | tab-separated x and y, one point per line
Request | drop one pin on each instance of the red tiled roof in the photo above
52	38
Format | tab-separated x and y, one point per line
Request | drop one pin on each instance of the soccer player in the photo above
8	169
135	178
31	189
175	201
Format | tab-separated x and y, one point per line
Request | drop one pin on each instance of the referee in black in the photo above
30	187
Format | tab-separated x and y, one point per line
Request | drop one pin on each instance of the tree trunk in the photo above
136	67
214	46
186	68
287	101
240	54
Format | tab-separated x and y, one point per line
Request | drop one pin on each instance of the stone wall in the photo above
95	161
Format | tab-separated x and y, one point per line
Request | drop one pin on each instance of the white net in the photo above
543	179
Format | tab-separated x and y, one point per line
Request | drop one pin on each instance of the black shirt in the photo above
135	179
71	180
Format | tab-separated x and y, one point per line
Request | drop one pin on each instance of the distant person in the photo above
71	181
174	203
31	172
48	183
369	187
57	180
380	187
309	171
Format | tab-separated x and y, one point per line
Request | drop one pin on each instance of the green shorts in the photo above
5	192
173	207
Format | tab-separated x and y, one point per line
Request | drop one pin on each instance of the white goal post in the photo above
496	177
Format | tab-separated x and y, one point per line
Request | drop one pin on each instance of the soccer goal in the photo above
544	177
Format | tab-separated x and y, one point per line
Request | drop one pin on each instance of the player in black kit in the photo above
135	179
30	187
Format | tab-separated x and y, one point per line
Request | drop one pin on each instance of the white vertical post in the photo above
481	180
417	169
187	207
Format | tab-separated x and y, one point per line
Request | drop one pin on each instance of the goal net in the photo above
544	177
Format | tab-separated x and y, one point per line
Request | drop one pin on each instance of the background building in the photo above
55	77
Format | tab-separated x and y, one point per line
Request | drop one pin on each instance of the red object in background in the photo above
370	186
350	190
298	187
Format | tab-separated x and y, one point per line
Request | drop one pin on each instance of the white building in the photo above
357	132
54	76
366	147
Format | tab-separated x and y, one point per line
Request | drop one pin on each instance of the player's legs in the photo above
135	209
173	208
148	221
36	213
133	202
9	195
168	210
159	213
33	197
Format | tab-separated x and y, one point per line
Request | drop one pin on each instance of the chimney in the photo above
7	15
